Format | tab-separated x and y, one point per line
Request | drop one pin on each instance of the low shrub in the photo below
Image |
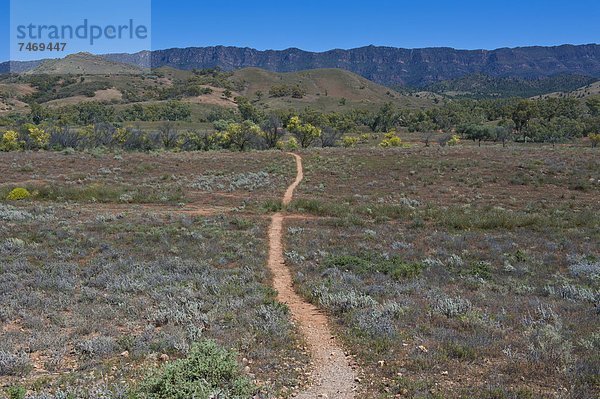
454	140
481	269
548	346
402	270
14	365
340	302
573	292
585	267
484	219
209	371
12	214
272	205
450	306
366	264
97	347
242	181
456	350
18	194
372	322
391	140
349	141
105	193
319	208
9	141
249	181
16	392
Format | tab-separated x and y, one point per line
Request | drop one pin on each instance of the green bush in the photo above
366	264
272	205
481	270
208	371
320	208
455	350
16	392
400	270
105	193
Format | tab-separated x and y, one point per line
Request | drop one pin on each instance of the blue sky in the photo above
319	25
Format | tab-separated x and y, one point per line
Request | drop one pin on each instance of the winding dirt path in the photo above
333	377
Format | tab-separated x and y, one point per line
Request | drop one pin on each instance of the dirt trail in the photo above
333	377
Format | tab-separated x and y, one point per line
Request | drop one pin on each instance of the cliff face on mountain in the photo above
394	67
387	65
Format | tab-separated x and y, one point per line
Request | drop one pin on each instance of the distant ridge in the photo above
390	66
84	64
19	66
483	86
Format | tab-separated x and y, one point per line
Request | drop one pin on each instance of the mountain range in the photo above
393	67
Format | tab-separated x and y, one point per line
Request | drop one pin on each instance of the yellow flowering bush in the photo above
289	145
349	141
454	140
595	139
292	144
391	140
305	133
240	135
10	141
39	136
18	194
87	131
120	135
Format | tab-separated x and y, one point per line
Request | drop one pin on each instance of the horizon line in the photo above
317	52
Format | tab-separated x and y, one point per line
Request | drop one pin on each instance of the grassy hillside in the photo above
483	86
58	90
9	97
84	64
589	90
75	79
327	89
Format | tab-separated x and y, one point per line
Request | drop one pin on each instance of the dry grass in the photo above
461	272
100	276
457	273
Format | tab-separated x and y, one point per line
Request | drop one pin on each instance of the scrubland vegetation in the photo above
447	273
104	285
451	274
211	109
551	121
453	242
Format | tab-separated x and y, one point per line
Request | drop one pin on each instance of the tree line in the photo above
90	124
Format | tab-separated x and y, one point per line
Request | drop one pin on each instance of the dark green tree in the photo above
522	113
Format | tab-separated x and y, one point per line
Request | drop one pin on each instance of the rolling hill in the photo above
592	89
323	88
483	86
84	64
